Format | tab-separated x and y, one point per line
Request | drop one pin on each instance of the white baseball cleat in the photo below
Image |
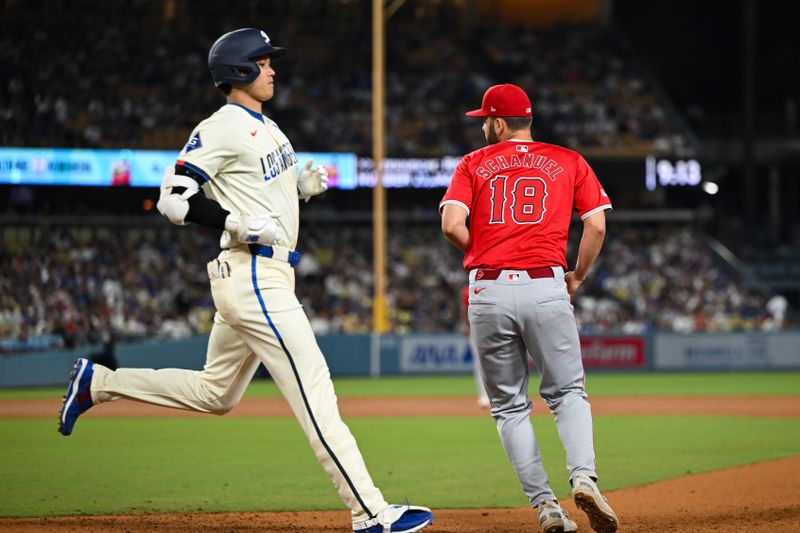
397	519
570	526
589	500
554	519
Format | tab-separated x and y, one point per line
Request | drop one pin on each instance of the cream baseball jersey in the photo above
520	196
249	167
244	163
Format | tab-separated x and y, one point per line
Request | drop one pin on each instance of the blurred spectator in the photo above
777	307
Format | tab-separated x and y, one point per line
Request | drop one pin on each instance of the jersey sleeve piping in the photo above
454	202
202	173
596	210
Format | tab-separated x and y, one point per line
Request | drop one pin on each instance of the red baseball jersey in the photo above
520	196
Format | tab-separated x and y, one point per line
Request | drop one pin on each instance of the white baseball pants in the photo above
259	320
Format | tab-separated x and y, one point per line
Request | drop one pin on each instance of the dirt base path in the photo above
773	406
760	497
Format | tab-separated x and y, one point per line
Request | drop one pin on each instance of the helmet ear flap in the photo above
246	73
241	74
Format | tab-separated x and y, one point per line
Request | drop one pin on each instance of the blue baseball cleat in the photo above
78	399
397	519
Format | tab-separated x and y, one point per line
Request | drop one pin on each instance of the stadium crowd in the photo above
136	283
668	280
112	85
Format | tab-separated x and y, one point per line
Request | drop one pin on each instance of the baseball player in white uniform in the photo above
239	173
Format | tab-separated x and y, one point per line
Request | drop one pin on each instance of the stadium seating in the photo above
146	282
112	85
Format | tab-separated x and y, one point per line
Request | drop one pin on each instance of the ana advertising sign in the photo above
435	354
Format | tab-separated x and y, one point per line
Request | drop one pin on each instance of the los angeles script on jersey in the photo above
278	161
490	167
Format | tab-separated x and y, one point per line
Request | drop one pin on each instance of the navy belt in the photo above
291	256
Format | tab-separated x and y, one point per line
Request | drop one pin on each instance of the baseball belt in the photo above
278	253
491	274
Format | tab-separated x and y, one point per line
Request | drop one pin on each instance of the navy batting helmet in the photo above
231	56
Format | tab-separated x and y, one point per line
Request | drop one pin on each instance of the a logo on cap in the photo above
492	109
265	36
527	109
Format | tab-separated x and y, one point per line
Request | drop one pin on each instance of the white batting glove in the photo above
257	229
312	181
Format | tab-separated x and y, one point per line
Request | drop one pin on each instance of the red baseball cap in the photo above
504	100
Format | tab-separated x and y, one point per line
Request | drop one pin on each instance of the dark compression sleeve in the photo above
206	212
202	210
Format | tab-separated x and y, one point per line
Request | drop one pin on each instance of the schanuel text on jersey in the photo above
492	166
278	161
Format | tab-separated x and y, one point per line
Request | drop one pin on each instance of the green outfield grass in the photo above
220	463
597	383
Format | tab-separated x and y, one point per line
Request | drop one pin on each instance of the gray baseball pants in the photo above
511	317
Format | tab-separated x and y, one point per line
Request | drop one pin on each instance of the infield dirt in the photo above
420	406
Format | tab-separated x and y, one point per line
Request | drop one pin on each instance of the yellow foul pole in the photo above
378	193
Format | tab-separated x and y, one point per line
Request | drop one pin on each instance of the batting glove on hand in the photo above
312	181
257	229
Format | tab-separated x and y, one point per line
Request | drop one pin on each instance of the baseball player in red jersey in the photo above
519	196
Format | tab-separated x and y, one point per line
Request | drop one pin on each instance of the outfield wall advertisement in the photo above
447	353
623	352
430	354
726	351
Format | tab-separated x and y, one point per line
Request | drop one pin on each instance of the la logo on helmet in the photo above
265	36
